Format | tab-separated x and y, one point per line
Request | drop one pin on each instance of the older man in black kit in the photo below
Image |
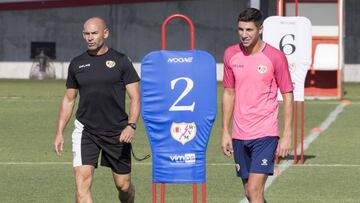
102	76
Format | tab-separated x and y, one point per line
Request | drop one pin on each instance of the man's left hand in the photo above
127	135
284	146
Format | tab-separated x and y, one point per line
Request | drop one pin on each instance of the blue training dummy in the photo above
178	101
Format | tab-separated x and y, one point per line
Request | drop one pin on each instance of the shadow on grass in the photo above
291	157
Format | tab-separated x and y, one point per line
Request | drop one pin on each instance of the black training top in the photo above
101	82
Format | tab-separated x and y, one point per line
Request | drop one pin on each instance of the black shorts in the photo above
87	146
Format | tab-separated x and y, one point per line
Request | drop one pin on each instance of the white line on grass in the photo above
34	163
39	98
35	99
149	164
309	139
58	98
331	102
31	100
327	165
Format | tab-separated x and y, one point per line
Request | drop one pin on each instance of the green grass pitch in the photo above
30	171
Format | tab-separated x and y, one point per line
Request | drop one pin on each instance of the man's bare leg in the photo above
254	187
125	187
83	180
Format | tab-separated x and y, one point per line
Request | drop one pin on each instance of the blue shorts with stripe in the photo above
255	156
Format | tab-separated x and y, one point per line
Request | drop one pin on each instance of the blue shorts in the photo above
255	156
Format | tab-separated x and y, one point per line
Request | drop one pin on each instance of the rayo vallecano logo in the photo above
262	69
110	63
183	132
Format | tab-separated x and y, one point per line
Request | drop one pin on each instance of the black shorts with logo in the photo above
86	147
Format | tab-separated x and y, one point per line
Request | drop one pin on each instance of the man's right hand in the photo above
58	144
65	112
226	144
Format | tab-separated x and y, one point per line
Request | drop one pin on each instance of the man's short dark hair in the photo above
251	15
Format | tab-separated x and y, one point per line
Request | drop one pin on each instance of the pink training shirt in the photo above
256	79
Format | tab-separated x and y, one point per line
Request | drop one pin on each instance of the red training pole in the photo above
296	7
295	131
154	192
203	199
163	30
162	193
302	131
194	193
278	11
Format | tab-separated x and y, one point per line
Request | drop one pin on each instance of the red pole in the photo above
302	131
203	193
163	47
163	30
194	193
295	131
154	192
162	193
339	83
302	113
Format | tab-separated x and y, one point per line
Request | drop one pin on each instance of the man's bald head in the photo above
95	32
97	21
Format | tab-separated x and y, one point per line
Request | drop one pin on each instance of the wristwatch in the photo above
132	125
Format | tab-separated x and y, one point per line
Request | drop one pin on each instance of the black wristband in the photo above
132	125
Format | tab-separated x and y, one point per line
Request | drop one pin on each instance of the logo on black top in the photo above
84	66
110	64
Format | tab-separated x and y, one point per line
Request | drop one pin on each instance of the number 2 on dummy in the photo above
189	86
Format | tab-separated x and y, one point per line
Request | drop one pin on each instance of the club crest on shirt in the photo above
183	132
110	64
262	69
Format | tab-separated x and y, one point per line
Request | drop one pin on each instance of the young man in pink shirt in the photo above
253	73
